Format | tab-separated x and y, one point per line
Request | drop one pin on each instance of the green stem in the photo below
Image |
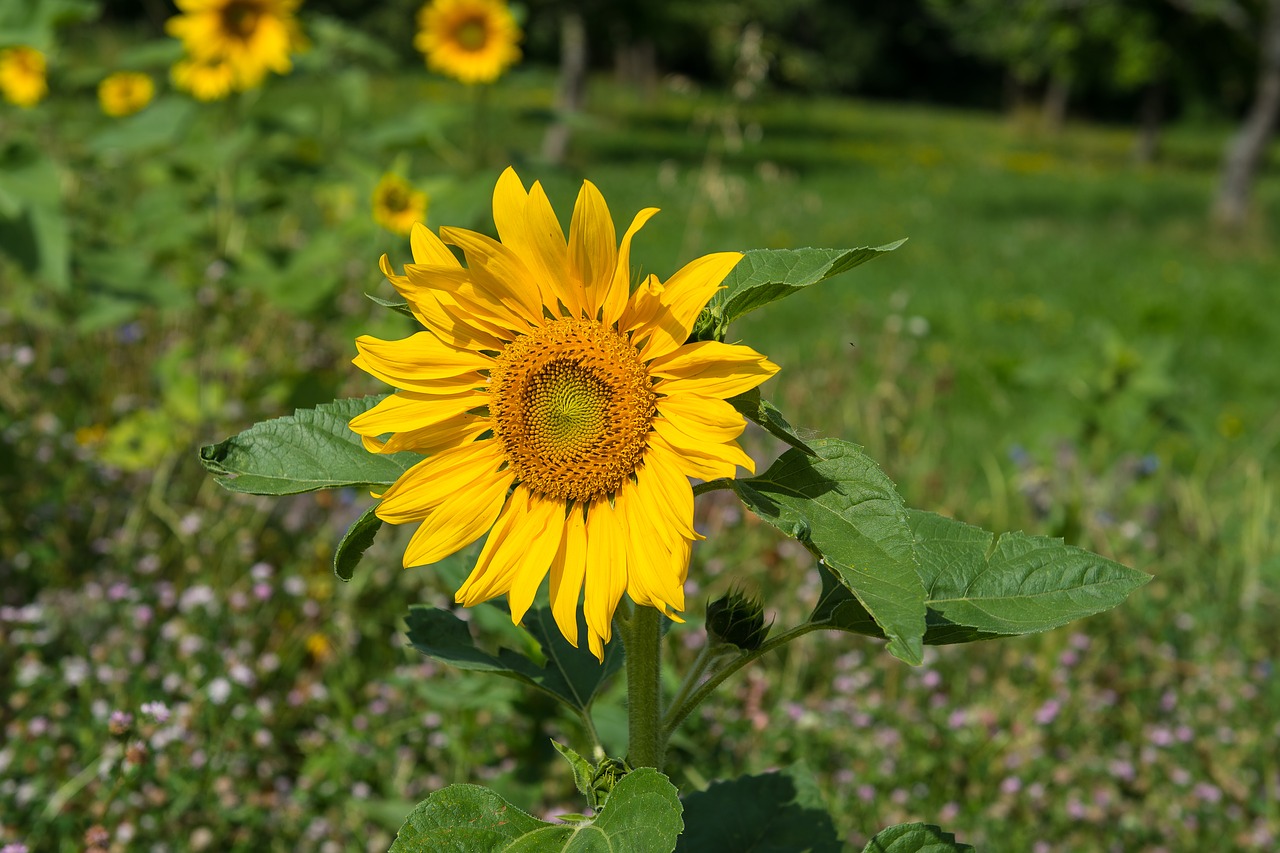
710	651
647	745
679	710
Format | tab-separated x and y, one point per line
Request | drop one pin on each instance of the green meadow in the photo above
1063	345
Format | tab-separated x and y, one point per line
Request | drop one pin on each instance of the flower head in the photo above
125	93
232	44
560	412
470	40
22	76
397	205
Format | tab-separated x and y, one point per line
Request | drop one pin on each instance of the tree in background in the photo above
1248	149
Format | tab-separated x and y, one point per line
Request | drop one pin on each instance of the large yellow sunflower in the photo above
560	412
470	40
22	76
244	38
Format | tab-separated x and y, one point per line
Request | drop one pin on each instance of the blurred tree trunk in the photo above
573	87
1053	111
1150	120
1249	147
636	64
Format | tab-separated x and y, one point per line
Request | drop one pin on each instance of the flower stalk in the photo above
647	744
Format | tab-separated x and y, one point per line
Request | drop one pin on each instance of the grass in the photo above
1062	346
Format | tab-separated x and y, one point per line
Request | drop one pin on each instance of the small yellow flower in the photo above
397	205
22	76
232	44
560	412
470	40
319	647
206	80
125	93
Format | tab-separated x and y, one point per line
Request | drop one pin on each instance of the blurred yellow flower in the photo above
560	412
206	80
22	79
470	40
397	205
125	93
232	44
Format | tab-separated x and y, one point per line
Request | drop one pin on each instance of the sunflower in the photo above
397	205
22	76
470	40
559	413
237	39
125	93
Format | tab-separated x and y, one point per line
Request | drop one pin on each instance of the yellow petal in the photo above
652	579
606	579
435	480
567	571
699	459
484	582
547	241
519	232
704	418
406	410
498	272
661	475
535	547
439	313
429	249
418	362
481	308
593	252
684	296
711	369
433	439
620	288
459	520
642	307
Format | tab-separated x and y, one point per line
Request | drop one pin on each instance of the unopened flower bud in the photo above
738	620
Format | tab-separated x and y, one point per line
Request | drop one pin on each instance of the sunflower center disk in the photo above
471	34
572	406
240	19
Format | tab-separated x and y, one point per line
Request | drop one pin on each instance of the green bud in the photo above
738	620
608	773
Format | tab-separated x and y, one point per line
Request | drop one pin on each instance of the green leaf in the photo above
159	125
573	676
642	816
915	838
764	414
309	450
767	275
841	506
355	542
1021	585
776	812
582	769
399	307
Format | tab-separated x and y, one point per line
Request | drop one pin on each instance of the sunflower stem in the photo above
646	744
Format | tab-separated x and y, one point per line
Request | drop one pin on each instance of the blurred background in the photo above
1078	340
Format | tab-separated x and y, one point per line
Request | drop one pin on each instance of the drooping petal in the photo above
460	520
652	577
711	369
643	306
483	584
620	287
435	480
593	247
534	555
567	572
606	579
684	295
699	459
416	363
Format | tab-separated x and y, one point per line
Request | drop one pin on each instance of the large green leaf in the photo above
1020	585
842	507
915	838
767	275
309	450
573	676
642	816
779	812
978	588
